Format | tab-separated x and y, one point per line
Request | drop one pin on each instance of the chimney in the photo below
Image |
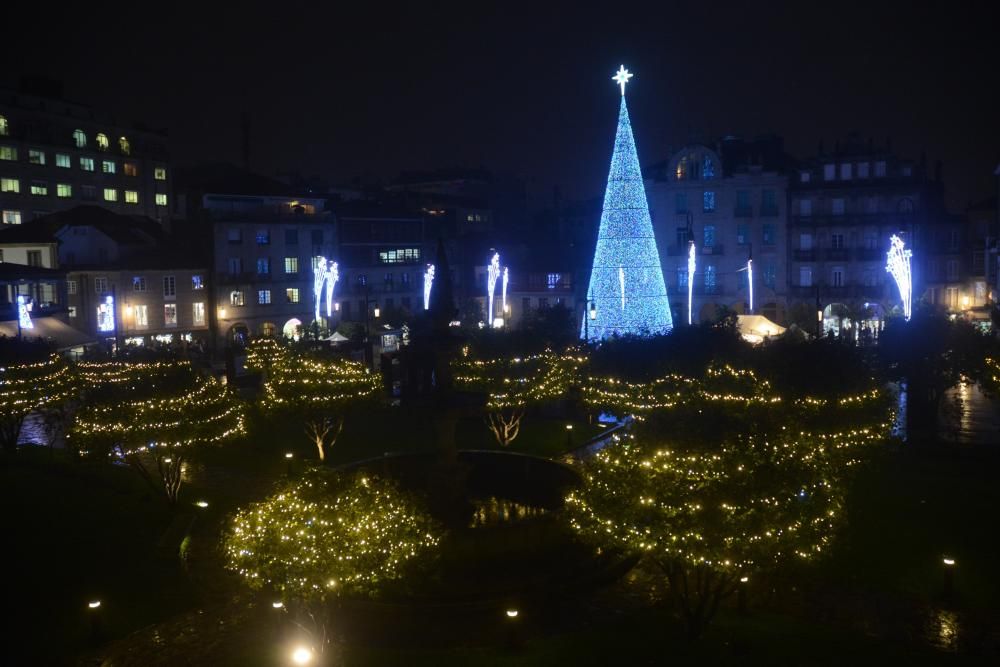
245	126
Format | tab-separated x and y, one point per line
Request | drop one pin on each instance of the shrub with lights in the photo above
263	354
28	387
166	409
511	385
328	535
319	393
721	479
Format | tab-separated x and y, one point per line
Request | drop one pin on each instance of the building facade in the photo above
55	155
730	201
844	207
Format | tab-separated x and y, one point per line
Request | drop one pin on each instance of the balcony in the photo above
702	289
869	254
743	212
769	211
677	250
717	249
804	255
835	254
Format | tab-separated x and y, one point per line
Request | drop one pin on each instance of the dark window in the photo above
291	237
317	236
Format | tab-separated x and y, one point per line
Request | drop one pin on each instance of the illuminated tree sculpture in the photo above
626	281
320	393
180	409
25	388
262	355
898	265
511	385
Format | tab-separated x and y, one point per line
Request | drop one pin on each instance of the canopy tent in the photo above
338	337
50	329
755	328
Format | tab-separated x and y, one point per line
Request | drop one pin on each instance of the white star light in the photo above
622	77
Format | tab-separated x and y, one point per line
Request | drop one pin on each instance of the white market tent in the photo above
755	328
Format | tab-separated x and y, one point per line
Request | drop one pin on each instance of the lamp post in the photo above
591	314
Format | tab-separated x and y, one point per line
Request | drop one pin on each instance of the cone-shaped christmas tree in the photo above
626	294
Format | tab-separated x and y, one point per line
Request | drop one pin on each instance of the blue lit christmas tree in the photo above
626	294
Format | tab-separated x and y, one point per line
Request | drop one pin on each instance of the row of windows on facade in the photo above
237	297
870	241
87	192
850	170
836	277
744	205
138	285
386	256
65	161
865	205
80	139
709	276
710	236
137	315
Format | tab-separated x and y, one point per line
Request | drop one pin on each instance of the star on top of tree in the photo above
621	77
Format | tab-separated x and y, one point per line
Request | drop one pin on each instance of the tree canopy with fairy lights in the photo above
329	534
263	354
151	415
710	505
319	393
512	384
27	387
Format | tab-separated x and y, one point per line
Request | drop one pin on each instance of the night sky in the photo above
344	93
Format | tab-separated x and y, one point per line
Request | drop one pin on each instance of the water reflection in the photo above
945	630
969	416
493	511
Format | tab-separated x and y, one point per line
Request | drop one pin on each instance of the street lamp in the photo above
591	315
302	655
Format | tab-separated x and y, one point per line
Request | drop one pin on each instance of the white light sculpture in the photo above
692	261
332	276
898	264
491	283
325	273
428	282
106	314
23	317
750	282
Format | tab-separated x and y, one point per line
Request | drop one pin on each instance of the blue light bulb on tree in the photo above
626	282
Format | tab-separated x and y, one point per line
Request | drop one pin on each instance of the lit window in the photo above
263	237
8	153
40	188
292	294
130	169
141	316
63	160
709	236
829	172
682	276
160	173
10	185
11	217
87	163
169	286
708	169
198	313
264	296
709	277
170	314
161	199
108	166
805	276
79	139
862	170
131	197
100	284
837	206
263	266
102	142
291	265
196	282
64	190
72	311
236	298
845	171
552	280
124	146
708	201
110	194
4	127
880	169
139	284
36	157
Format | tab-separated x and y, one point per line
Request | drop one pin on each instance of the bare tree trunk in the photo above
10	430
320	429
505	426
168	471
698	592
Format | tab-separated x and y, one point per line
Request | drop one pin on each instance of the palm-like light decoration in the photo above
898	264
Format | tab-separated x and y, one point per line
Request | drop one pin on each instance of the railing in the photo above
677	250
804	255
717	249
769	211
743	212
835	254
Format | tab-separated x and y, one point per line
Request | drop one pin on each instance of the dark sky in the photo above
526	89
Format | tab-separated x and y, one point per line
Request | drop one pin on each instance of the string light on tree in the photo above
898	264
626	281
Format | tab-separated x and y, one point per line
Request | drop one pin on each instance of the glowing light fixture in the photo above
277	605
692	263
898	264
621	77
202	504
106	314
503	288
325	274
948	561
428	282
493	272
377	312
512	613
23	316
94	604
750	282
302	655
